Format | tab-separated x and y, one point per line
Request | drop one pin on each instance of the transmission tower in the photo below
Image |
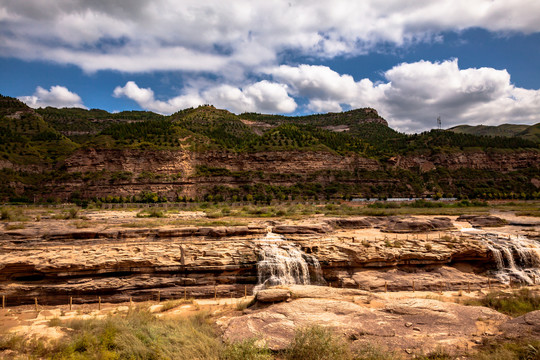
439	122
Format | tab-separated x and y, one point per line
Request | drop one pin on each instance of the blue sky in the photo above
470	62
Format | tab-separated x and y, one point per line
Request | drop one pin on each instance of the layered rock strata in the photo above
198	261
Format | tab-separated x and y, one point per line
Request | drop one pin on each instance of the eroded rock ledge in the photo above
203	261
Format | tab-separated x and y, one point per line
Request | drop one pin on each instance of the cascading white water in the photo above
517	257
282	263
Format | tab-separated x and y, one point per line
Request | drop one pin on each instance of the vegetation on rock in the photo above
36	147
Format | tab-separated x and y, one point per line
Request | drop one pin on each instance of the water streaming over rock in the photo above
517	257
283	263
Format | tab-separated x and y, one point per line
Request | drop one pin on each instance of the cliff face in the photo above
291	162
185	162
496	161
335	155
117	263
172	173
135	161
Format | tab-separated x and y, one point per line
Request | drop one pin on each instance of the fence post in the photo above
35	301
413	286
185	294
245	291
215	292
3	301
386	286
99	302
70	302
159	296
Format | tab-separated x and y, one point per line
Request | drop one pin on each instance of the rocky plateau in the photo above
53	261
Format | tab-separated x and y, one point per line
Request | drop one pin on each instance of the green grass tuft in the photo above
246	350
514	304
316	342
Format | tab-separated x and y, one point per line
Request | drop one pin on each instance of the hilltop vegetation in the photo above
527	132
25	138
43	138
360	131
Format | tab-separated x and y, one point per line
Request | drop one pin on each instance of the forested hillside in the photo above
204	151
528	132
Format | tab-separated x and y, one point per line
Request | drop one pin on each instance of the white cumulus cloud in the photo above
263	96
414	94
57	96
214	35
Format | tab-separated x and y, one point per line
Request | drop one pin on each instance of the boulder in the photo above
525	326
413	225
480	221
302	229
273	295
350	223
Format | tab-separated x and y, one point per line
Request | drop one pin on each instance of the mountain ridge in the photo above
208	153
528	132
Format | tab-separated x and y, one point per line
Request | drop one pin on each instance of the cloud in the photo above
57	96
263	96
213	36
314	81
411	98
146	100
418	92
414	94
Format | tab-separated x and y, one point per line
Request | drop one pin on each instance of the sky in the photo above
470	62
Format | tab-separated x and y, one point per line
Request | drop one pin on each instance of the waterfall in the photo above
282	263
517	257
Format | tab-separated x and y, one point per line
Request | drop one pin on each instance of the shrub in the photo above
171	304
371	352
316	342
524	349
73	213
246	350
154	213
12	214
141	335
242	305
513	304
5	214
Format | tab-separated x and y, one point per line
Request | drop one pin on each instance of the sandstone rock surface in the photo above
480	221
273	295
54	262
411	225
433	323
525	326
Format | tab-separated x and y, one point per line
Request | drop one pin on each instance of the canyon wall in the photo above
196	261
